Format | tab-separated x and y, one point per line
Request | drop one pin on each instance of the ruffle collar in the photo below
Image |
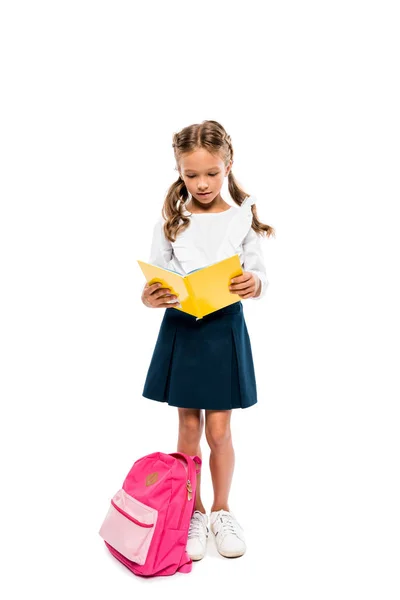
244	208
236	230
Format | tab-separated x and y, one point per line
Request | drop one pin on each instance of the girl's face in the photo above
203	174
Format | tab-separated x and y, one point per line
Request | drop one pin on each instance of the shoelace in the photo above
229	525
194	527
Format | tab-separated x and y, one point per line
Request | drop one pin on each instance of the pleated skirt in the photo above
203	363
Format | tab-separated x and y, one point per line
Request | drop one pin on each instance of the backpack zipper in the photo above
189	489
189	496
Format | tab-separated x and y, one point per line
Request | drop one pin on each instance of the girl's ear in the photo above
228	168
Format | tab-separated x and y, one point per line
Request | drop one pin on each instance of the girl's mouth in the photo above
206	194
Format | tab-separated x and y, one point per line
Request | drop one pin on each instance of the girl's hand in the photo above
155	296
247	285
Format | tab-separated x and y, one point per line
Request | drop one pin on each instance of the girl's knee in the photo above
218	428
218	437
191	424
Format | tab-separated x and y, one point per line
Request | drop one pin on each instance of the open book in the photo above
201	291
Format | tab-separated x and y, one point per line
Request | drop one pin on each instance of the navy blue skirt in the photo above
205	363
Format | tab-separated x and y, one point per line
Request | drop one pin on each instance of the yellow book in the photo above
201	291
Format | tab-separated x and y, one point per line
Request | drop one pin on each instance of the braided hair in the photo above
211	136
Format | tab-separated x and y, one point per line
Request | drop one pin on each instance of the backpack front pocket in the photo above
129	526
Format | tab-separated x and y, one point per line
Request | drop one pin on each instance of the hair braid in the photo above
211	136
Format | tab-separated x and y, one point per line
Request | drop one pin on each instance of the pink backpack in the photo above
146	527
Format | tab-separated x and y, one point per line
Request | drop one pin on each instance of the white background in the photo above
92	93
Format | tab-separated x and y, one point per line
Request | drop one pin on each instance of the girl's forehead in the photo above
200	159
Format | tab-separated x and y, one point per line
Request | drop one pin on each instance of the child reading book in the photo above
201	291
206	364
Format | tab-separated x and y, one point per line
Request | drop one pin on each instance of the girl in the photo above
206	363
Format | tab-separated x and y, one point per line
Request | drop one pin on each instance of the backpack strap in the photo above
196	459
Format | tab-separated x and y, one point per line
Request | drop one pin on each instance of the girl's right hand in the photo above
156	296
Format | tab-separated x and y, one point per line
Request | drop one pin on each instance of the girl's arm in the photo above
254	260
161	249
161	252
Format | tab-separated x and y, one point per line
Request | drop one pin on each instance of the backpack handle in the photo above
194	457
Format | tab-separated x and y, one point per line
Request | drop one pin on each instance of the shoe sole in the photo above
231	554
197	557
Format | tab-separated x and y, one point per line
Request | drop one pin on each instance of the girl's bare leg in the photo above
222	456
191	424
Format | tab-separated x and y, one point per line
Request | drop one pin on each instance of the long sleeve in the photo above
253	260
161	248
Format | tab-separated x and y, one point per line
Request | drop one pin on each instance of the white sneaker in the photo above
229	535
197	536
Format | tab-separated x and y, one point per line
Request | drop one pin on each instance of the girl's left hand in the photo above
247	285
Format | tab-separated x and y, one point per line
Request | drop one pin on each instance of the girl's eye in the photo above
211	175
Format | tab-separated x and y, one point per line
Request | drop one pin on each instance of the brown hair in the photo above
211	136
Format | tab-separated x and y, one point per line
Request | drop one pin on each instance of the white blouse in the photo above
209	238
